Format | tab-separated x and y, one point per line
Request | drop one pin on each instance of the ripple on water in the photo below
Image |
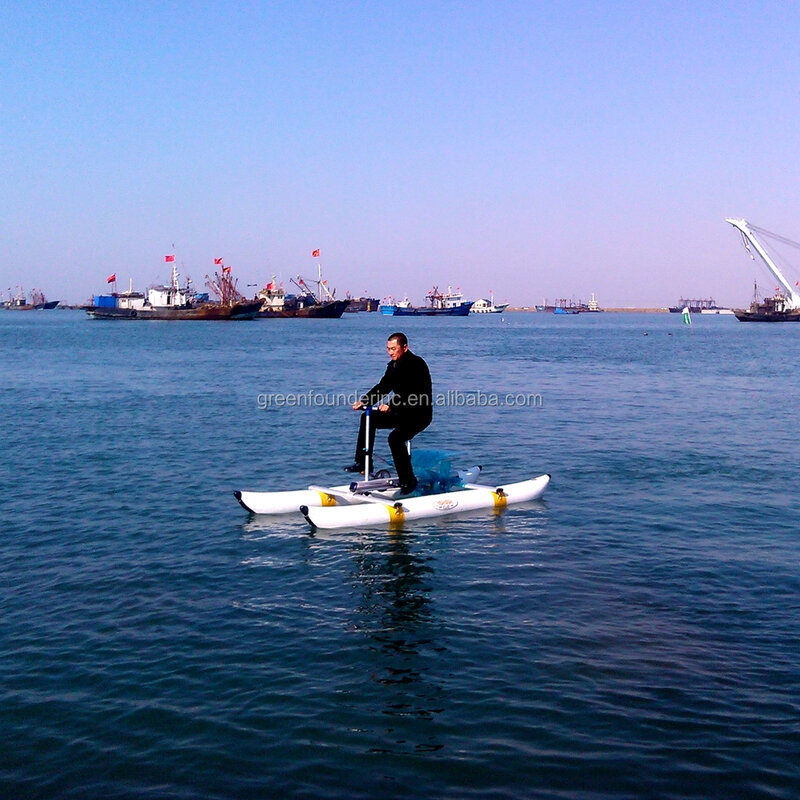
633	634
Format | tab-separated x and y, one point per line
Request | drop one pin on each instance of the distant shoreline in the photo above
623	310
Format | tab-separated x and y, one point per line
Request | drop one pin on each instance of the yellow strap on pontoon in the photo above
396	516
327	499
500	499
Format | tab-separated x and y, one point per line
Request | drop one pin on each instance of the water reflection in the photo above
397	613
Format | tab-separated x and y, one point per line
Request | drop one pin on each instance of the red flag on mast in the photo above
226	270
169	258
112	278
315	254
217	260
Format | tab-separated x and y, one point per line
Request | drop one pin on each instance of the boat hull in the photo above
422	311
289	502
342	509
237	311
696	309
363	304
330	310
743	315
47	306
396	514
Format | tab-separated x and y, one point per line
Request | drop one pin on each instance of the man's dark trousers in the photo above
404	430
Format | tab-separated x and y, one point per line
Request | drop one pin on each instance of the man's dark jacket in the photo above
409	380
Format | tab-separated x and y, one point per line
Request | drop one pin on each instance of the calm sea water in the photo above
636	634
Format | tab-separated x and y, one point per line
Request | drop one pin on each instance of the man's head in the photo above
396	345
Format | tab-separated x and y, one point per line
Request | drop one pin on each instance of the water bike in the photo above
377	501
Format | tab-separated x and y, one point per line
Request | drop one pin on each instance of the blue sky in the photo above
537	149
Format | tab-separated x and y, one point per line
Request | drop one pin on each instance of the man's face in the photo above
395	349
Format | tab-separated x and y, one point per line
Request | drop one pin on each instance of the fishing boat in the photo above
484	306
176	302
319	304
565	306
362	304
388	308
784	306
449	304
770	309
593	306
38	302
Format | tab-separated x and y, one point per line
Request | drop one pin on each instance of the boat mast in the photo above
322	286
792	298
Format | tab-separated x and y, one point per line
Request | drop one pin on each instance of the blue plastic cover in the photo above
434	468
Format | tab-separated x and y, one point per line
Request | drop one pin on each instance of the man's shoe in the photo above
354	468
407	488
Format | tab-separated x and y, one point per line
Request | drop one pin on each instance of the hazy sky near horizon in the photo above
536	149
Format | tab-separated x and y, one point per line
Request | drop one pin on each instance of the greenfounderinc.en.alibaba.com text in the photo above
457	398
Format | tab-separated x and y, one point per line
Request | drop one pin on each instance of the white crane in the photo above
792	301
